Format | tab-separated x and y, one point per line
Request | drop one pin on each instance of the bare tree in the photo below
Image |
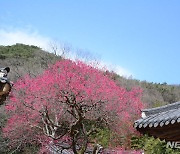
60	49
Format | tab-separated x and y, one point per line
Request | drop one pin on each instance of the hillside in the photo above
25	59
154	94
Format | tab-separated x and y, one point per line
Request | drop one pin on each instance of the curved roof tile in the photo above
165	115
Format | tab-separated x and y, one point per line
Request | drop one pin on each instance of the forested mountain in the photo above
25	59
154	94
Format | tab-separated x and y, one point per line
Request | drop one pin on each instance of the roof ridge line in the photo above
162	108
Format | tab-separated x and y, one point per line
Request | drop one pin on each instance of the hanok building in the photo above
161	122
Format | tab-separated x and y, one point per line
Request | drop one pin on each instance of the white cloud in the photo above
122	71
115	68
102	65
23	36
31	37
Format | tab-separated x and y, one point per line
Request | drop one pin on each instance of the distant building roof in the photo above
162	122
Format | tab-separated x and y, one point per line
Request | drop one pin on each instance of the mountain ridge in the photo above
32	60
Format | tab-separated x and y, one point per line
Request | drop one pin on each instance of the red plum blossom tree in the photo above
67	103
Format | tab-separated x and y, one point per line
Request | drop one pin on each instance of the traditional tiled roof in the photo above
162	122
160	116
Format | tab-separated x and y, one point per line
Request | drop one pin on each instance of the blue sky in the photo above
139	38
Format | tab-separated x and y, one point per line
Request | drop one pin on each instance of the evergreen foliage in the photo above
152	146
17	51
